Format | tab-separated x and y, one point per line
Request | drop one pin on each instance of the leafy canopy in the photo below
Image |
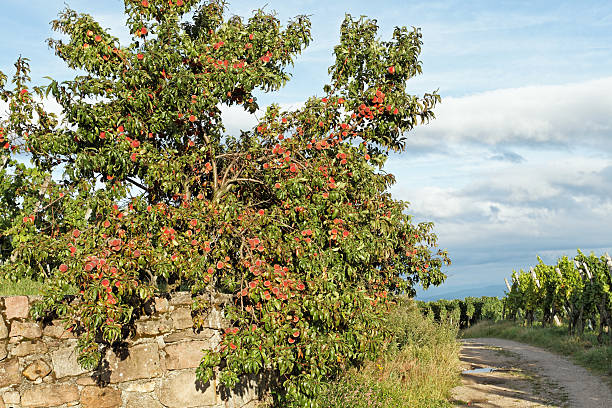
292	219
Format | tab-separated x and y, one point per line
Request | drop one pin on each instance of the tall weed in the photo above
418	368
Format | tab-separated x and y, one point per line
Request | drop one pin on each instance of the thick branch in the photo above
5	160
41	193
229	183
226	173
137	184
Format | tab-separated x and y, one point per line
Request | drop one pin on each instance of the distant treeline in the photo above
464	312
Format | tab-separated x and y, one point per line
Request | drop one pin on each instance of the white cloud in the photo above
236	118
494	216
563	115
515	195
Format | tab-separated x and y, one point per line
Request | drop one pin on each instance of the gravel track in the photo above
525	376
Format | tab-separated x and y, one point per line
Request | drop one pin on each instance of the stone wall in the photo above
38	363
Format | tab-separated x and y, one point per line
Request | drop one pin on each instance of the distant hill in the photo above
476	291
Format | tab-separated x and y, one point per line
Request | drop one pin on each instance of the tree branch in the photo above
227	185
5	160
137	184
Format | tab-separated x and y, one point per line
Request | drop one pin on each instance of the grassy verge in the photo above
21	287
583	350
418	370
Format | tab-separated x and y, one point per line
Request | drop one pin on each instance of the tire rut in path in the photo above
525	376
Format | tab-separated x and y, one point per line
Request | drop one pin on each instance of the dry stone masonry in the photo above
156	369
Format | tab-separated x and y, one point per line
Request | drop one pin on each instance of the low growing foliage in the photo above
464	312
293	218
418	370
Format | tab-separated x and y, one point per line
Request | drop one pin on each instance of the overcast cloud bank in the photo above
545	116
513	173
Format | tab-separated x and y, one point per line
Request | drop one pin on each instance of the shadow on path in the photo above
512	383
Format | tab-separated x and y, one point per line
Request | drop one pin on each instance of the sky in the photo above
517	163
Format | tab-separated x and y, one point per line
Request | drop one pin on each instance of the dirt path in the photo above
524	376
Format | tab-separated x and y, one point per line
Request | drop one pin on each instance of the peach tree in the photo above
292	219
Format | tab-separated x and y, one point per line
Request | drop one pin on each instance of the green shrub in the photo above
418	369
463	312
24	286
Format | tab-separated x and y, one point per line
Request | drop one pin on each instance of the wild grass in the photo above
583	350
22	286
418	369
